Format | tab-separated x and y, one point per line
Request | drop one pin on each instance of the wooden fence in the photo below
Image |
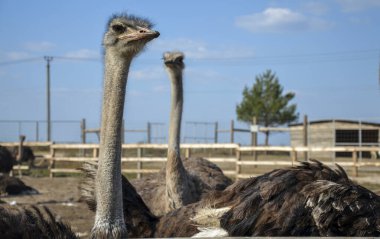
236	156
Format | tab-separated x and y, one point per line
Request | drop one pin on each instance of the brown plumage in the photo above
307	200
32	222
14	186
271	205
205	175
343	209
6	160
9	158
27	156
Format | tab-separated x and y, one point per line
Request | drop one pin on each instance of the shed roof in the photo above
338	121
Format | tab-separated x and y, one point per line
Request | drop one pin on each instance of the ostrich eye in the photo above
118	28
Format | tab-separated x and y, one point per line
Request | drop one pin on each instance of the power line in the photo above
300	58
279	59
77	58
4	63
21	61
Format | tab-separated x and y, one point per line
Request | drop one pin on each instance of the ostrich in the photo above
125	37
23	153
186	179
8	159
10	185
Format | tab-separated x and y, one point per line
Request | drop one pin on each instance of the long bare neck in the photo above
109	211
20	149
176	174
175	112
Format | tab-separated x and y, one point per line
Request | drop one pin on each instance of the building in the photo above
330	133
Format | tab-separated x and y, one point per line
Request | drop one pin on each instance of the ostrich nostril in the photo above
142	31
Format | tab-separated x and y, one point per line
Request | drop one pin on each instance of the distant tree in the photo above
266	101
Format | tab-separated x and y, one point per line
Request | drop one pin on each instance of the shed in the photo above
336	132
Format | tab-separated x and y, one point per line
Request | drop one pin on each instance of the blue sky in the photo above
327	52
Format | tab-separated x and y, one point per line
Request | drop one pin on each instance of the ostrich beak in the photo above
151	34
141	33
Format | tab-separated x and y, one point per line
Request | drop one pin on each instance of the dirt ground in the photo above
61	195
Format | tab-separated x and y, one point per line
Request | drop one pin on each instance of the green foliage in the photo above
266	101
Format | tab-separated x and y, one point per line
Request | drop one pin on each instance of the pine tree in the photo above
266	101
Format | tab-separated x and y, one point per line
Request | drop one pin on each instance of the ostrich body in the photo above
14	186
125	37
6	160
32	222
306	200
185	180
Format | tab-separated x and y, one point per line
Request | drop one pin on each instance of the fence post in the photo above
187	153
37	132
355	161
238	158
95	152
216	133
139	163
294	156
52	160
232	132
83	130
254	139
148	132
305	135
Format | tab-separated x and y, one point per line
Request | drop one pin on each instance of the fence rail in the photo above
236	159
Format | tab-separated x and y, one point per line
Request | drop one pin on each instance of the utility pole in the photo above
48	59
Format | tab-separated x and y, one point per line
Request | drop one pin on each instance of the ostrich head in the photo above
128	34
22	138
174	64
174	60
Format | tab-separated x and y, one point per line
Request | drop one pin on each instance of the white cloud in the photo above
363	20
280	20
194	74
39	46
201	50
83	53
357	5
316	8
147	74
18	55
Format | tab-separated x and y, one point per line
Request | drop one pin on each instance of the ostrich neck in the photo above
109	211
176	175
20	150
175	112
